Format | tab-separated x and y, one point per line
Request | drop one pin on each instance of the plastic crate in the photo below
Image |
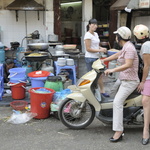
1	87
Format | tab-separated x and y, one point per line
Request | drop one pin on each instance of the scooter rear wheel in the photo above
73	116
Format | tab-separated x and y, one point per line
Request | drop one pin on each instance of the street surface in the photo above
51	134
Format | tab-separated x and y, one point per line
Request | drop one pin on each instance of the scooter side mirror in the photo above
98	65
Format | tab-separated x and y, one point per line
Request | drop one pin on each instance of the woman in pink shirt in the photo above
127	81
141	33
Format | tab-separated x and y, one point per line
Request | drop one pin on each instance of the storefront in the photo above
132	12
71	18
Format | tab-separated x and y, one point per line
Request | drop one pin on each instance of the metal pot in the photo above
38	46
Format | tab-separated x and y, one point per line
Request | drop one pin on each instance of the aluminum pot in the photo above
38	46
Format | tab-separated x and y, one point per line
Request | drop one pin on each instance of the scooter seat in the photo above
110	99
134	94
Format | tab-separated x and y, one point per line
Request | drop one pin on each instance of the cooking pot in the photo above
38	46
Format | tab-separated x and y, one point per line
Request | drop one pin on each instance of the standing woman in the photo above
127	81
141	33
93	49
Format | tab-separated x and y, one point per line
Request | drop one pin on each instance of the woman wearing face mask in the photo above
93	49
127	81
141	33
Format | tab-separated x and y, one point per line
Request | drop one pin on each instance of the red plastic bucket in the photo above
106	62
39	73
18	90
40	102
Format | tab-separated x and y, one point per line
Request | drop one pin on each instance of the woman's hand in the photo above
104	50
140	87
108	71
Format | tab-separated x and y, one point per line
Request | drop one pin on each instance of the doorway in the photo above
71	19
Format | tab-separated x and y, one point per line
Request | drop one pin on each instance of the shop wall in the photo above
13	30
140	17
142	20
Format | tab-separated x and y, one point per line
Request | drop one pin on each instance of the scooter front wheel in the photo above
76	115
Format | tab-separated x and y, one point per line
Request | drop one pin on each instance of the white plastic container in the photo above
70	62
61	62
48	68
112	64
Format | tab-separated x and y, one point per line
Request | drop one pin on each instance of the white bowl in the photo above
61	61
59	52
70	62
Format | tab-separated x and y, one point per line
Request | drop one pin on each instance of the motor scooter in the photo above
85	103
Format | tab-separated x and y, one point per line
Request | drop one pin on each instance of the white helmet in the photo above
141	31
124	32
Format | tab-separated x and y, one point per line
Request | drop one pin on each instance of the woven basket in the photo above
19	104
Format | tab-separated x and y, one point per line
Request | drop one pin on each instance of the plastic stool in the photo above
73	68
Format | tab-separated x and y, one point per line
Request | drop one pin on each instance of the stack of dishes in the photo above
70	62
70	46
61	62
59	52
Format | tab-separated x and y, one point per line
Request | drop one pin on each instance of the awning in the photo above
122	4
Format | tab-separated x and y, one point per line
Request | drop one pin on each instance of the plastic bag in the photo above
19	118
58	98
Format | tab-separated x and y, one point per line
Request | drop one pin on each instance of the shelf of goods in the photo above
103	32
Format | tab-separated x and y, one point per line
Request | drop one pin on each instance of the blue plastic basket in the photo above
18	80
111	53
37	82
17	73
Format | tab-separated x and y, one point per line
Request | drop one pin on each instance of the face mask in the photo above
118	43
117	46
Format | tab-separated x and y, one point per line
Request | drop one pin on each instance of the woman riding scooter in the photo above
141	33
127	81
